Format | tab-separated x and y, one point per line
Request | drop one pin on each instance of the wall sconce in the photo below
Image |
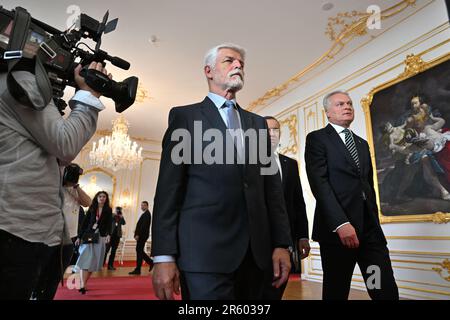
125	198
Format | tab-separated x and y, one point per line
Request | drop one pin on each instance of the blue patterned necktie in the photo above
232	117
233	123
351	146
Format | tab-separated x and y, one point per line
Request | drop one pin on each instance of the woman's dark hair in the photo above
94	205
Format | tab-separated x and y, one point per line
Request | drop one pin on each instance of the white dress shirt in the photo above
339	129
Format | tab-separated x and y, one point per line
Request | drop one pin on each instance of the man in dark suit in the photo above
141	235
218	225
295	206
346	222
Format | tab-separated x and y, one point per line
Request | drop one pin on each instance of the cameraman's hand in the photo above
77	242
80	80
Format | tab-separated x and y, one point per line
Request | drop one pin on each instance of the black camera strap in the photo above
17	62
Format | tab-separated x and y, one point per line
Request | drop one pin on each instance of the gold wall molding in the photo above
419	253
140	177
310	118
413	64
444	268
139	184
291	122
356	29
313	271
343	21
439	292
397	252
355	22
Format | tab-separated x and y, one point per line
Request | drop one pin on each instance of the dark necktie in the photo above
351	146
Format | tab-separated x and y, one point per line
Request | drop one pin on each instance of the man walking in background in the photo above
141	235
295	207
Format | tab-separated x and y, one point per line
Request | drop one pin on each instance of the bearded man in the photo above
218	226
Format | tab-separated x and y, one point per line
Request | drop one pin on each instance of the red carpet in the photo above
113	288
118	288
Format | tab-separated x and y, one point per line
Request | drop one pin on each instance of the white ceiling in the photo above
281	37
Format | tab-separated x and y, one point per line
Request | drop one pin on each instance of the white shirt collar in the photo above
338	128
218	100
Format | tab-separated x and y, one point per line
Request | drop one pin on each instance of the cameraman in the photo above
31	194
52	273
116	233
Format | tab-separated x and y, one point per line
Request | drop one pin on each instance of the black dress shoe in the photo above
111	268
82	290
135	272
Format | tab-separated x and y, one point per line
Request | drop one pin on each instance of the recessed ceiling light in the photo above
327	6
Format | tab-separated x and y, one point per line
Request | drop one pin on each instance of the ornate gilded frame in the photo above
414	65
113	178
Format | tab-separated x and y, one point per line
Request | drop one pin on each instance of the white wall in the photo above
415	248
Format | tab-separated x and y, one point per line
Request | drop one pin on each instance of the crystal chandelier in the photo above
116	151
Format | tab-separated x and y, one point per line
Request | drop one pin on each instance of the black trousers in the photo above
141	255
269	291
338	263
18	266
246	283
51	272
113	245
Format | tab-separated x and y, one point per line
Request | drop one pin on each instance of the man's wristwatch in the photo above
290	249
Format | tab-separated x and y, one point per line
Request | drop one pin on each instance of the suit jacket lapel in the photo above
340	145
361	151
210	112
246	123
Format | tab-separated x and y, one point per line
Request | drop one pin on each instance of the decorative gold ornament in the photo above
413	65
440	217
342	22
291	123
444	270
141	94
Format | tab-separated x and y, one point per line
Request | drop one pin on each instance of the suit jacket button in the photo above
245	185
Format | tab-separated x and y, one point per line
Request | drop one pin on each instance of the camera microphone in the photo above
120	63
